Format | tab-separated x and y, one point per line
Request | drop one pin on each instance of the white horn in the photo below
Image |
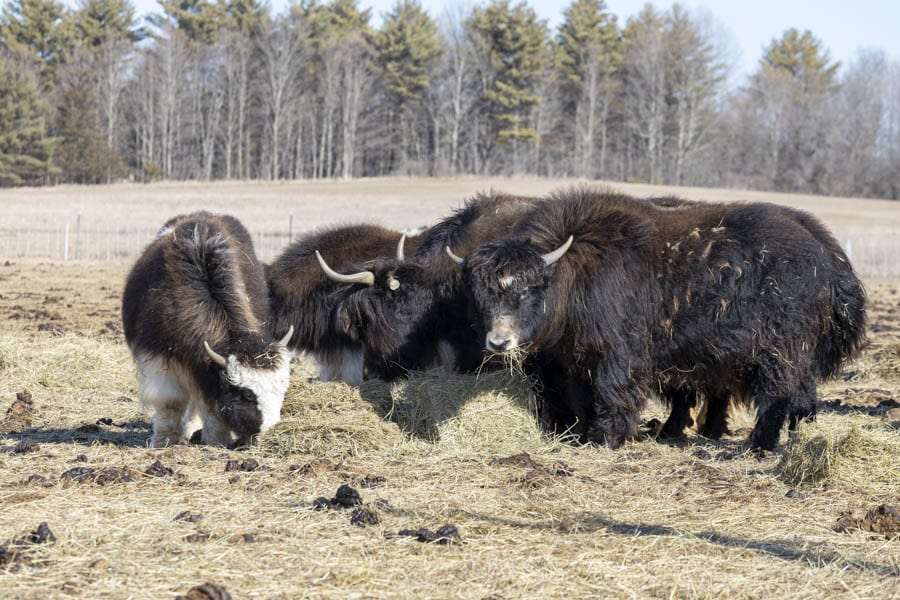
215	356
283	342
366	277
400	256
554	256
459	261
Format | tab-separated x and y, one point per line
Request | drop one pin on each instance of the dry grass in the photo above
861	457
650	520
117	220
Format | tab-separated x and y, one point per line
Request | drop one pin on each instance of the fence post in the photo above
78	250
66	244
849	249
290	229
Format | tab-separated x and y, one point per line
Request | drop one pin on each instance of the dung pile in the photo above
450	413
859	458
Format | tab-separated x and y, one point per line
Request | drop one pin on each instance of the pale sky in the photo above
843	25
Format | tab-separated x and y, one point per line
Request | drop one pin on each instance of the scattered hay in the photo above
328	420
457	414
858	458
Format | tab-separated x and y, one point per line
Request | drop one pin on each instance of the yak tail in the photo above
210	266
845	335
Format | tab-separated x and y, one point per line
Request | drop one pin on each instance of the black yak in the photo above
411	314
302	294
614	301
195	313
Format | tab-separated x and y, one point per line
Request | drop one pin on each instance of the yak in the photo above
195	312
614	301
411	314
302	293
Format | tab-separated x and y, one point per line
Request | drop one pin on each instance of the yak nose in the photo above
499	344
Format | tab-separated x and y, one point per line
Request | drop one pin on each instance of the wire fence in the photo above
73	240
873	253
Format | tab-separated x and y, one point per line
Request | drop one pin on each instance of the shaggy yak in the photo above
411	314
196	317
302	293
614	301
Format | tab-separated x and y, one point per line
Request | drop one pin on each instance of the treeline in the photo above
226	89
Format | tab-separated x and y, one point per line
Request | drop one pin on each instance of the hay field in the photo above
690	520
114	222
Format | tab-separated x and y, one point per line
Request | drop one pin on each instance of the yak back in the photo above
300	291
198	281
484	218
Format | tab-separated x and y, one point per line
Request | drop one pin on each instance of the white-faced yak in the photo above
196	318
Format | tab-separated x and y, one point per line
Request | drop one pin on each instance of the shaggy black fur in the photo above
302	296
753	301
404	328
200	281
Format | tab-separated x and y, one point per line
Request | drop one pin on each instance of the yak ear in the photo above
343	322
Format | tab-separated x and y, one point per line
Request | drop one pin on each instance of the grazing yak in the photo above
302	293
195	313
614	301
411	314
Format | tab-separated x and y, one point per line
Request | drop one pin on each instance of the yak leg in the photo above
215	431
803	404
715	421
681	401
159	388
563	402
772	386
617	404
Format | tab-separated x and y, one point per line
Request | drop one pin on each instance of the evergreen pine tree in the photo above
802	57
200	20
40	31
511	42
25	149
98	22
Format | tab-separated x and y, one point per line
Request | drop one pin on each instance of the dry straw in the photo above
859	458
431	411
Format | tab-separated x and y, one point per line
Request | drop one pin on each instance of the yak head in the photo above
386	306
508	282
252	385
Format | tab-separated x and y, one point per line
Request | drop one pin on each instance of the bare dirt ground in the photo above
695	519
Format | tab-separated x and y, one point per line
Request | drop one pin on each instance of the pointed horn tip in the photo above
365	277
287	337
215	356
552	257
459	261
401	255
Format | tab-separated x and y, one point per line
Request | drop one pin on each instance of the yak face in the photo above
251	389
387	316
508	282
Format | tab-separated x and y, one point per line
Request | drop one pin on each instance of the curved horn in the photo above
459	261
215	356
365	277
283	342
552	257
400	256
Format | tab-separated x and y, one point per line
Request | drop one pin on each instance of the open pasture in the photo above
536	517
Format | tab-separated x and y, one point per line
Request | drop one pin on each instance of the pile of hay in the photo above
858	458
430	411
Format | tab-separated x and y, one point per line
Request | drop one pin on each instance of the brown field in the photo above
696	519
115	222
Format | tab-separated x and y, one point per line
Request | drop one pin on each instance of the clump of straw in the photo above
858	458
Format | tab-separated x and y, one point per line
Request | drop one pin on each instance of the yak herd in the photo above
610	299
